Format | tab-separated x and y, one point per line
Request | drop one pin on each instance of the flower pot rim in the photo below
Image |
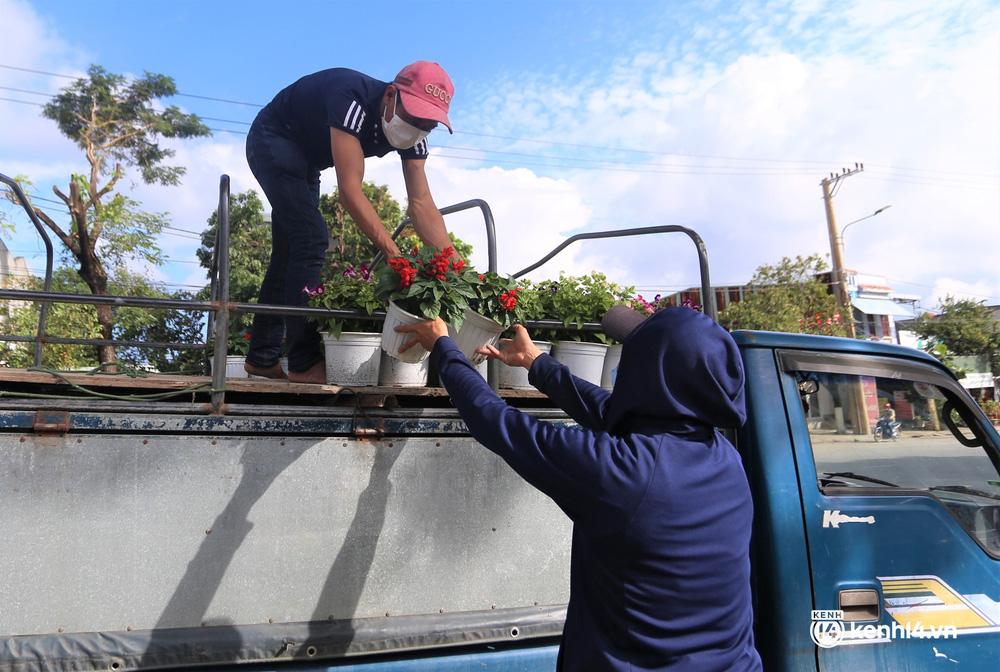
327	334
582	343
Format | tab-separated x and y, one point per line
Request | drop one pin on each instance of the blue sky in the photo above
573	116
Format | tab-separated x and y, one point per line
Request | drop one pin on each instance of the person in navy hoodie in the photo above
660	503
335	118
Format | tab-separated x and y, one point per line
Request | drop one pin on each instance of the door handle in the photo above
859	604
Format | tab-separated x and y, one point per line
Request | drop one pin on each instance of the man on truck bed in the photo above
660	504
336	118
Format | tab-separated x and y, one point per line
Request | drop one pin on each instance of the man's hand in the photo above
424	333
517	351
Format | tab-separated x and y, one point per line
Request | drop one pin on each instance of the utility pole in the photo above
830	187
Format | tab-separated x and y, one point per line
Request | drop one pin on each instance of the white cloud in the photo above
896	87
957	289
29	44
531	214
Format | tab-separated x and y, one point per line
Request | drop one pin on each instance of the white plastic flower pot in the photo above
391	341
352	359
394	372
610	371
234	366
477	332
516	377
585	360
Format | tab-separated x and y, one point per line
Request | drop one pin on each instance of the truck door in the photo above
903	532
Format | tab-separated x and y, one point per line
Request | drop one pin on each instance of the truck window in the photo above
880	434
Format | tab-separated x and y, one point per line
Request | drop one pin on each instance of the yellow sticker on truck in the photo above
928	601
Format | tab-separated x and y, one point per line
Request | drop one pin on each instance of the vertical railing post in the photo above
222	317
44	309
492	365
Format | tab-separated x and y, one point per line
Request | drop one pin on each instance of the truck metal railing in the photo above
219	308
491	237
43	312
708	306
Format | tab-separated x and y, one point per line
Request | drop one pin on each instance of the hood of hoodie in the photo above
678	369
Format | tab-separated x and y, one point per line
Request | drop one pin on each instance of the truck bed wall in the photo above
142	531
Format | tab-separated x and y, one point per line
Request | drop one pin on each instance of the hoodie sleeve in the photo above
581	400
592	476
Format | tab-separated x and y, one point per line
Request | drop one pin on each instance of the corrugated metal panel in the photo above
110	532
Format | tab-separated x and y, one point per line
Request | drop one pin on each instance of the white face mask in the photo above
400	134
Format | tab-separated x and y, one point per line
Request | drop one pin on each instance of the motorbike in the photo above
884	429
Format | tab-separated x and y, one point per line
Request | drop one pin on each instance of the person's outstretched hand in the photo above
425	333
517	351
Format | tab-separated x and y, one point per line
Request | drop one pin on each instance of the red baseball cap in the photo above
426	91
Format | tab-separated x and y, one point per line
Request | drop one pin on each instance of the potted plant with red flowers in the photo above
423	285
529	307
352	344
494	309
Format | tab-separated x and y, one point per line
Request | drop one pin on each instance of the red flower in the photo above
508	300
403	269
438	266
458	265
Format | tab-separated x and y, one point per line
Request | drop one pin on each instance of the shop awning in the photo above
870	306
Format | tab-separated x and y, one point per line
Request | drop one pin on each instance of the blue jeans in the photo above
299	240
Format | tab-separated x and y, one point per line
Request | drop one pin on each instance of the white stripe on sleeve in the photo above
355	117
350	112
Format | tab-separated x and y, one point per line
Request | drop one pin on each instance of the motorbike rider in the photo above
887	420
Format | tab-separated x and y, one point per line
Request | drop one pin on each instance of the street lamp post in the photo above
844	230
839	284
840	276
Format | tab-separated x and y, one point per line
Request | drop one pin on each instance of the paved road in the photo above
918	459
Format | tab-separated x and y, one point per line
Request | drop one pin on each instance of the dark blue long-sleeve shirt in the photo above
659	499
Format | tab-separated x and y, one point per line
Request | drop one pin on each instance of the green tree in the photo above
73	320
250	244
249	253
351	247
965	327
64	320
117	124
159	325
787	297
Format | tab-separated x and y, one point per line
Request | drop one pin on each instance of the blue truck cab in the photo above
869	555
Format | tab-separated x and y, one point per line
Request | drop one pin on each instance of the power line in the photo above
23	102
930	182
799	162
689	171
38	72
783	171
34	93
